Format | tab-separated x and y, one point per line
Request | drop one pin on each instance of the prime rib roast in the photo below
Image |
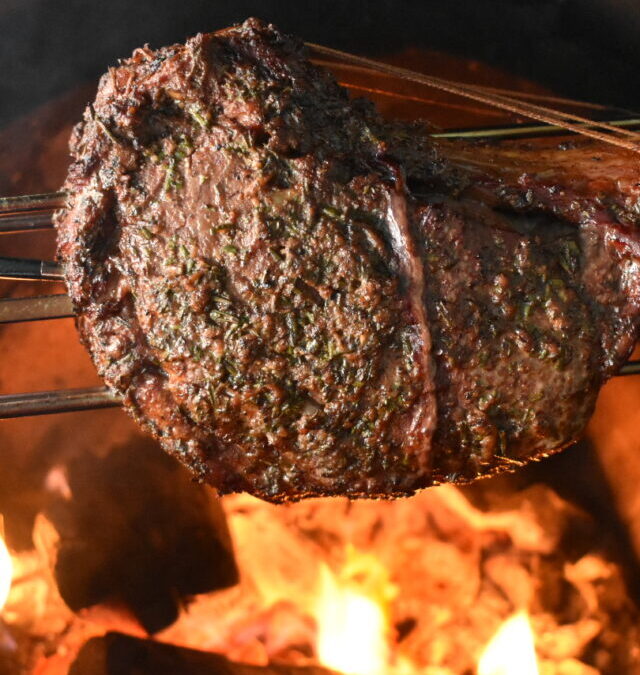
299	298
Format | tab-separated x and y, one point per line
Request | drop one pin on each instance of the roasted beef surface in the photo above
298	298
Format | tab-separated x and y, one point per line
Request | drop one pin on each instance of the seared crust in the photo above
227	251
251	273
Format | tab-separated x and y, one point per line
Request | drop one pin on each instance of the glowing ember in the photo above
351	612
6	572
511	651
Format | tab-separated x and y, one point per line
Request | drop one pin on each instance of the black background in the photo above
581	48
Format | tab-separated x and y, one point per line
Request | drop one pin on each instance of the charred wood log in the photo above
118	654
135	530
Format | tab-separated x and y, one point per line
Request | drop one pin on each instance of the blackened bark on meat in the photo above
298	298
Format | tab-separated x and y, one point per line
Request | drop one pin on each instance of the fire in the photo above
352	617
6	573
511	651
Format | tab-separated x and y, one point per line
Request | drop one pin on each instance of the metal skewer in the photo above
515	130
600	130
57	401
27	213
43	200
30	270
33	212
18	310
43	307
94	398
25	222
630	368
15	310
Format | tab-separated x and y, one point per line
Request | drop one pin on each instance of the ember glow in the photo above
6	572
511	651
352	617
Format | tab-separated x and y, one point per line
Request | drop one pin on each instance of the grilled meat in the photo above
298	298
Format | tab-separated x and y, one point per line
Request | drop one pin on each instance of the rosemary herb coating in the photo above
298	298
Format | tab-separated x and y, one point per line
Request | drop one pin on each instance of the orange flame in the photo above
352	617
511	651
6	573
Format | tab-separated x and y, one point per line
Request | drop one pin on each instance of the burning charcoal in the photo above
117	654
135	530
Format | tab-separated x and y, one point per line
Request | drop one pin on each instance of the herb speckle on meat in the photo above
252	273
